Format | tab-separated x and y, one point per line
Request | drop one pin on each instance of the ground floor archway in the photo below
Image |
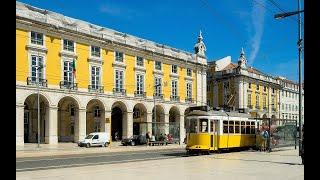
95	116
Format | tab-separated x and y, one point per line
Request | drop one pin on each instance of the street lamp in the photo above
39	67
154	104
299	43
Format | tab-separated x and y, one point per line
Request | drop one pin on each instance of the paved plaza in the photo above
281	164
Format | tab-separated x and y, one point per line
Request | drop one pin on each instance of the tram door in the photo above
214	133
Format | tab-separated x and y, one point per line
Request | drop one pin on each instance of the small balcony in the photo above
33	81
189	100
158	96
139	94
68	85
96	88
119	91
174	98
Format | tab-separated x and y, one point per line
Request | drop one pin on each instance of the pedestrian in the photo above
148	137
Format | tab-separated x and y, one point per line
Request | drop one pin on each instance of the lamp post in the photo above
269	143
299	43
39	67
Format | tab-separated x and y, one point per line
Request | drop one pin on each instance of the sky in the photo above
226	25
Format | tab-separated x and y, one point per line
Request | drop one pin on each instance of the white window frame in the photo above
35	53
144	81
190	72
74	45
189	83
137	61
62	69
123	79
173	65
100	51
156	66
177	89
100	75
123	57
43	40
161	81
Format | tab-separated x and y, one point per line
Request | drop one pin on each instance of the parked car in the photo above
134	140
95	139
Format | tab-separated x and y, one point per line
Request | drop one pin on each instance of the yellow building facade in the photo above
90	78
236	86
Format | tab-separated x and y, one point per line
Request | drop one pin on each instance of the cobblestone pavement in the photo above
279	164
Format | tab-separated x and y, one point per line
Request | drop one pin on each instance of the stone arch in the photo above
103	103
31	118
95	116
159	126
174	122
68	117
119	120
139	119
28	94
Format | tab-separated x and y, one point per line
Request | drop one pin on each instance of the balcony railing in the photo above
174	98
68	85
140	94
158	96
119	91
190	100
265	108
96	88
274	109
250	106
33	81
257	107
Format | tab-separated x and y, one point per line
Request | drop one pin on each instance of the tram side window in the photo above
231	126
247	127
193	126
252	129
225	126
237	127
203	125
211	126
243	127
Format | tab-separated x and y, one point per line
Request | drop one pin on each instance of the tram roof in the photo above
217	113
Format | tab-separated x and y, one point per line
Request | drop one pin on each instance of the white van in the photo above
95	139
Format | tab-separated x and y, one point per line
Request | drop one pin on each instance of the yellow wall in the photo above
82	66
22	63
53	62
54	68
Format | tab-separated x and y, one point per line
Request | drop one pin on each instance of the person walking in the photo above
148	137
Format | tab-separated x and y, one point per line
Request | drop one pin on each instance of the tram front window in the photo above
193	126
203	125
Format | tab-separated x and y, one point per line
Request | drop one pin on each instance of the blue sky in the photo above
226	25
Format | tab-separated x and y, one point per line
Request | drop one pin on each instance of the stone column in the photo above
107	127
19	125
149	122
166	121
128	130
182	130
52	126
80	125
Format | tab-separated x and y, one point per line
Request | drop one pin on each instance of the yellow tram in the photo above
212	130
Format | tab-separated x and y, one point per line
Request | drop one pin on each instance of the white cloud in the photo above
257	20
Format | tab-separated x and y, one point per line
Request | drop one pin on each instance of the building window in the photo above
95	51
282	93
189	90
119	80
282	106
36	72
257	101
158	65
272	90
289	107
264	88
174	88
258	87
296	108
286	107
140	83
286	93
249	85
119	56
264	101
95	77
68	45
97	112
174	69
157	85
189	72
36	38
272	102
249	99
139	61
67	71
